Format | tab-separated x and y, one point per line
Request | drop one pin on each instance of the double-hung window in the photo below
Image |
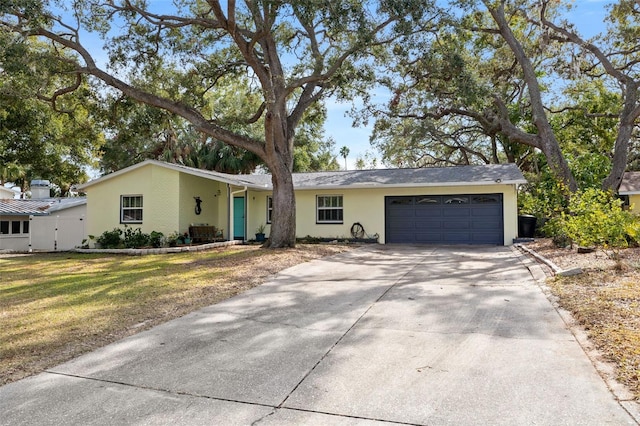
329	209
131	209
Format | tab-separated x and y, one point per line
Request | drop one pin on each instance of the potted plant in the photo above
260	233
173	239
186	238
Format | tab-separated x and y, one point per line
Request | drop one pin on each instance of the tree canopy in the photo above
295	52
37	140
236	84
502	80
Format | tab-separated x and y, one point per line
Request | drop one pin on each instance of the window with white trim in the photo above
269	208
14	227
131	209
329	209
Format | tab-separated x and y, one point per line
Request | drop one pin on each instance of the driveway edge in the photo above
605	369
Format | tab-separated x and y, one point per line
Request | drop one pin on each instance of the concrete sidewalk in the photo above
378	335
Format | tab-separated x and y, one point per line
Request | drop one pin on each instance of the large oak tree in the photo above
296	52
501	81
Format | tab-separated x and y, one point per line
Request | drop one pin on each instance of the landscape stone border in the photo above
162	250
555	269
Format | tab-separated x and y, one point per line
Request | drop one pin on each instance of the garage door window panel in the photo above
457	200
486	199
329	209
428	200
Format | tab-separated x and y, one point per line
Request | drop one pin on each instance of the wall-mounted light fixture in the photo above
198	206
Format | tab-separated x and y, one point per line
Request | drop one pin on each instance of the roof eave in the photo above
191	171
411	185
23	214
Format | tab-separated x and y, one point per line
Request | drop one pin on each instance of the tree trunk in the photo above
279	160
556	161
625	131
547	141
283	220
620	157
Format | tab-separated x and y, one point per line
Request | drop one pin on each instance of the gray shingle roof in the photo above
630	183
463	175
441	176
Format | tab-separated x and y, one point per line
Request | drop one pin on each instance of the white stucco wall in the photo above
168	201
14	242
367	207
634	203
212	193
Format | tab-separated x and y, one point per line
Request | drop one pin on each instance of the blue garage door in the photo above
445	219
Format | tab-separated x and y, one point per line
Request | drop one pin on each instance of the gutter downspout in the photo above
231	194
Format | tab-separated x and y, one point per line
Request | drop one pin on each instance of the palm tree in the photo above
344	151
10	172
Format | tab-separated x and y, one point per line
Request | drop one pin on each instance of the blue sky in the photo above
587	15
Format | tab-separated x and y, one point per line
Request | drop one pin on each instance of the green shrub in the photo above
110	239
596	218
542	198
135	238
555	228
156	239
172	239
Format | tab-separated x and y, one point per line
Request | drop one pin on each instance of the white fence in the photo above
56	233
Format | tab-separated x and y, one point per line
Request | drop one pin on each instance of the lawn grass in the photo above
54	307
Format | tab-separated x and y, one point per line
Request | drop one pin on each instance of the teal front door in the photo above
238	218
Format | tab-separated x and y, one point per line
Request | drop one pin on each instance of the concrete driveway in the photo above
378	335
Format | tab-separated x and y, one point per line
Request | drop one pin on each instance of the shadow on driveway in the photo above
407	334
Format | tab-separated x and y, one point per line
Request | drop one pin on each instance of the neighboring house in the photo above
453	205
630	190
42	223
6	193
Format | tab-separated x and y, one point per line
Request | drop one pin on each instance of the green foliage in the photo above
545	197
143	132
135	238
110	239
596	218
173	239
156	239
46	133
130	238
180	56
